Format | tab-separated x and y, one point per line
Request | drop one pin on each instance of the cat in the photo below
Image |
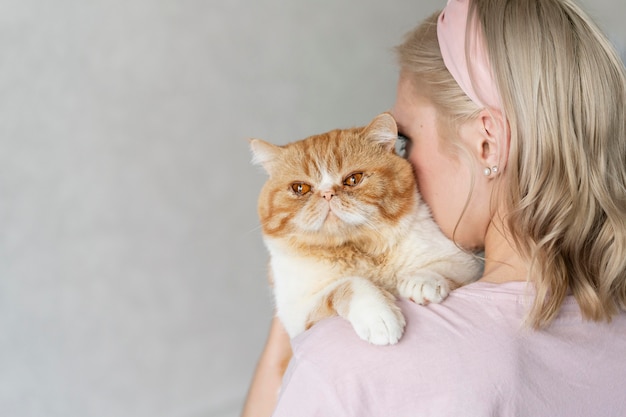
348	233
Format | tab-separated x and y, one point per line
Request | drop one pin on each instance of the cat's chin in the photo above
333	233
323	239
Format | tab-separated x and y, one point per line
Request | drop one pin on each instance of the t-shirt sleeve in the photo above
306	392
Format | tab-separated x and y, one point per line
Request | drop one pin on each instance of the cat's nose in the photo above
328	194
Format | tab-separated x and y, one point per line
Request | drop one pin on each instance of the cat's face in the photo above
335	187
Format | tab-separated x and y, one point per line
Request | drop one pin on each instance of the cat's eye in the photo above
403	145
353	179
300	188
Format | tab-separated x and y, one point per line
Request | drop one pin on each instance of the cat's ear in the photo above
264	153
383	130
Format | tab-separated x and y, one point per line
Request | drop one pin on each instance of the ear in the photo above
264	153
383	130
492	139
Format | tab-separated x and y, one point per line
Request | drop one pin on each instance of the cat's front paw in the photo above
380	323
424	289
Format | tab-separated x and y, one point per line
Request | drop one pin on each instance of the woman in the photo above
514	111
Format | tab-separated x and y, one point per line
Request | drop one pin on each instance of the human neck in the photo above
502	262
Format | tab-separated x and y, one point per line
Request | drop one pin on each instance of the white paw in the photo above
380	322
425	289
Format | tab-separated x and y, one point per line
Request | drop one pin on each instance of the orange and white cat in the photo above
347	232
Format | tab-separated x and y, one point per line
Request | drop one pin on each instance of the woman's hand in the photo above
263	392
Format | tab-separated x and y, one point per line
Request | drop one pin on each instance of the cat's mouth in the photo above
335	218
328	219
331	216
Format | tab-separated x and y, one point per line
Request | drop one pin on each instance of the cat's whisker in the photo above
254	229
259	226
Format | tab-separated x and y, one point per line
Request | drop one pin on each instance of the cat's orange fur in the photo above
357	238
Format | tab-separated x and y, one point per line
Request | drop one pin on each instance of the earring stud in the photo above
488	171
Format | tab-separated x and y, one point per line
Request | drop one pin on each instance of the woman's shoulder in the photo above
454	332
455	355
442	345
473	318
455	317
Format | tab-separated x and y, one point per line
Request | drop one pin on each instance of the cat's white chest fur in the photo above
298	284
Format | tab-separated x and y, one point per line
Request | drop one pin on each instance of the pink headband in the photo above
466	59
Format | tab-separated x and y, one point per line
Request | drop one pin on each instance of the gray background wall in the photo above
132	273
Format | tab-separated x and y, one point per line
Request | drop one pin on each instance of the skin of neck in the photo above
502	261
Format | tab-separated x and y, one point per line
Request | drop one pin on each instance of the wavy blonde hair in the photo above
563	90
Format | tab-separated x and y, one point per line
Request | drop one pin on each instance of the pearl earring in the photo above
488	171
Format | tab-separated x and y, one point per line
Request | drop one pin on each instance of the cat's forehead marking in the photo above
327	181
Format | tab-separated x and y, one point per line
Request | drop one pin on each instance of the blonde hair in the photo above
563	90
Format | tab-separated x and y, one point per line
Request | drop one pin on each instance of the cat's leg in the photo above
426	286
371	310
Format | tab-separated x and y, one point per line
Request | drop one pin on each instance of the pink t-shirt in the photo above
469	356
